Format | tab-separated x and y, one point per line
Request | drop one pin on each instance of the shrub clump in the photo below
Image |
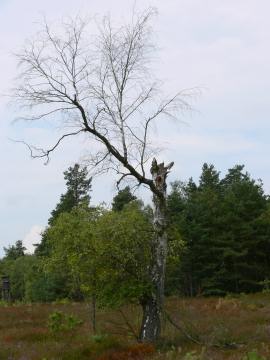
59	322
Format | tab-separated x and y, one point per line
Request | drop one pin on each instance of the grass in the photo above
234	328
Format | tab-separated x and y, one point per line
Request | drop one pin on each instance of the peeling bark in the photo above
153	305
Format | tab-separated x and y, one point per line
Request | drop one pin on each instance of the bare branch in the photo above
122	178
44	115
105	89
46	153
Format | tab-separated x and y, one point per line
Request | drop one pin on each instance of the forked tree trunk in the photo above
153	304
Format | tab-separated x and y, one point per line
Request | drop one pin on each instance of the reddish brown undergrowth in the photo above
225	328
134	352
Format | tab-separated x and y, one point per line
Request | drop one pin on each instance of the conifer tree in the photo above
13	252
225	225
78	185
121	199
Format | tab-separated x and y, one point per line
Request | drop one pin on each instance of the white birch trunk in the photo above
153	304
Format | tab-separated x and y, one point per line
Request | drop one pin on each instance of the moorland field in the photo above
204	328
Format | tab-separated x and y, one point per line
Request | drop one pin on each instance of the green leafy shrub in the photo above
194	355
99	338
191	356
58	322
4	303
253	355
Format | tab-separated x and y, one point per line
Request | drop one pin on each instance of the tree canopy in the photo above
218	243
225	226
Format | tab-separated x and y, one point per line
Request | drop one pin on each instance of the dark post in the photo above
5	288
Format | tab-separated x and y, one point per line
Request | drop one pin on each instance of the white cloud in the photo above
32	237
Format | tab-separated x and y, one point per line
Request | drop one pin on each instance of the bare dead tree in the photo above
102	87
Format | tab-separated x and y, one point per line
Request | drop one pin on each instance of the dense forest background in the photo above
219	230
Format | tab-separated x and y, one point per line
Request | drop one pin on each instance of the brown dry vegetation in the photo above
225	328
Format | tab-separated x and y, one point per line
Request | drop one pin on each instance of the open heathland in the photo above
203	328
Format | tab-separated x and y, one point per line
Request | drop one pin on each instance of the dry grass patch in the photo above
225	328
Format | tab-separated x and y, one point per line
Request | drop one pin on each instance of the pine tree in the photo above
245	237
202	217
15	251
180	214
225	225
121	199
78	185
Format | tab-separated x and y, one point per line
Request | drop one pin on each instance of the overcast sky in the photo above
221	46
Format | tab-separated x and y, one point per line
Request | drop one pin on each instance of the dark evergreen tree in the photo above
177	202
43	248
225	225
123	197
13	252
180	221
244	235
78	185
201	217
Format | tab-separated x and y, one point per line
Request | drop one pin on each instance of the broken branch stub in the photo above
159	174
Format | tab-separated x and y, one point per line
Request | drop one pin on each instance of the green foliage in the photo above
72	241
98	338
29	282
225	226
59	322
3	304
253	355
123	198
105	254
15	251
218	243
102	253
176	251
79	186
18	270
55	322
266	286
192	355
42	286
123	245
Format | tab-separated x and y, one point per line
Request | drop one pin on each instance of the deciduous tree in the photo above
103	89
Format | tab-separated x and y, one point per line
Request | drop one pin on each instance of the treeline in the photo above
225	226
218	234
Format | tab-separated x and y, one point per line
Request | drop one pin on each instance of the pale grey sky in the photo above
221	46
